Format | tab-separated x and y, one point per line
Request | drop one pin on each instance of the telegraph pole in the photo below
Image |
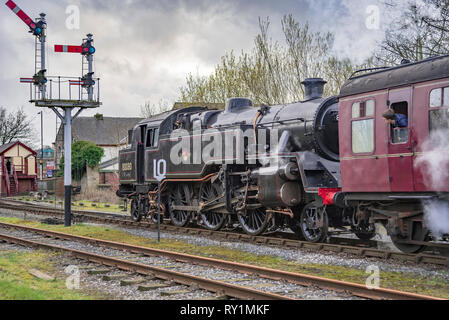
42	146
87	51
68	168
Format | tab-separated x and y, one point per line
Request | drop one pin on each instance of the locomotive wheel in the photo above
254	222
212	220
179	196
419	233
295	225
135	211
310	216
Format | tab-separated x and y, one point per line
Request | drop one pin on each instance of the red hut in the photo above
18	172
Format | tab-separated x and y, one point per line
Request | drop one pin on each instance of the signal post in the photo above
63	107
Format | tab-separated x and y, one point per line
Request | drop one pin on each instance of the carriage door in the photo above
141	155
400	150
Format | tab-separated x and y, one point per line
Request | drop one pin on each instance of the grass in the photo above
426	285
86	205
16	283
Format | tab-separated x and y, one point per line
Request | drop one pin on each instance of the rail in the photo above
291	277
228	289
338	245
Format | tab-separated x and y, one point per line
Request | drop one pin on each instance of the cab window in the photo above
152	138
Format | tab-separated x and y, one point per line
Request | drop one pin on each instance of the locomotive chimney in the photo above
314	88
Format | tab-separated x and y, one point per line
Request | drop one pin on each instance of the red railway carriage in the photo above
388	172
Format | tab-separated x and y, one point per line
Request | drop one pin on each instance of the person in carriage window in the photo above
397	120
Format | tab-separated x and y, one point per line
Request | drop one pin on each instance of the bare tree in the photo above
421	32
272	72
148	109
15	126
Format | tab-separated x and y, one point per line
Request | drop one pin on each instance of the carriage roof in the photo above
406	74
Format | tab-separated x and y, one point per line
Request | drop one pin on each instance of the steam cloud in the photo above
434	165
436	217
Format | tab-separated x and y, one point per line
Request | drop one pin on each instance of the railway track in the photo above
341	245
231	290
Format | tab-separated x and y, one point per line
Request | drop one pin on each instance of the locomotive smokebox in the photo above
314	88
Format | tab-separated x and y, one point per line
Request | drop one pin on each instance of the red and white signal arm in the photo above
76	82
22	15
68	49
26	80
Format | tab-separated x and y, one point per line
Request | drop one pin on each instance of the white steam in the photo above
436	217
434	166
434	162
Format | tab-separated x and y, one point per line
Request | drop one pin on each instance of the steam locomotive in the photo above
313	166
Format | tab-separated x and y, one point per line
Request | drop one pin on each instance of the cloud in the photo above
146	48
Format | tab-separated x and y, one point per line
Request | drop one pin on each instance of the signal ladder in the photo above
37	66
85	70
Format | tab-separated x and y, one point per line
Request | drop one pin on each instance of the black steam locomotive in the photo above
264	168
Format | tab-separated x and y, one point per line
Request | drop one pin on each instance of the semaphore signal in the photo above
68	49
38	29
87	50
54	101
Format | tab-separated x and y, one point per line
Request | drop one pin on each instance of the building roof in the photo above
108	165
406	74
101	130
8	146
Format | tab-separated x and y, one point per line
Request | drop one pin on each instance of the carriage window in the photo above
356	110
439	119
363	129
369	108
435	98
400	131
363	136
446	97
439	97
363	109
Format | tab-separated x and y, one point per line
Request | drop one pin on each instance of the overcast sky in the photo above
145	48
